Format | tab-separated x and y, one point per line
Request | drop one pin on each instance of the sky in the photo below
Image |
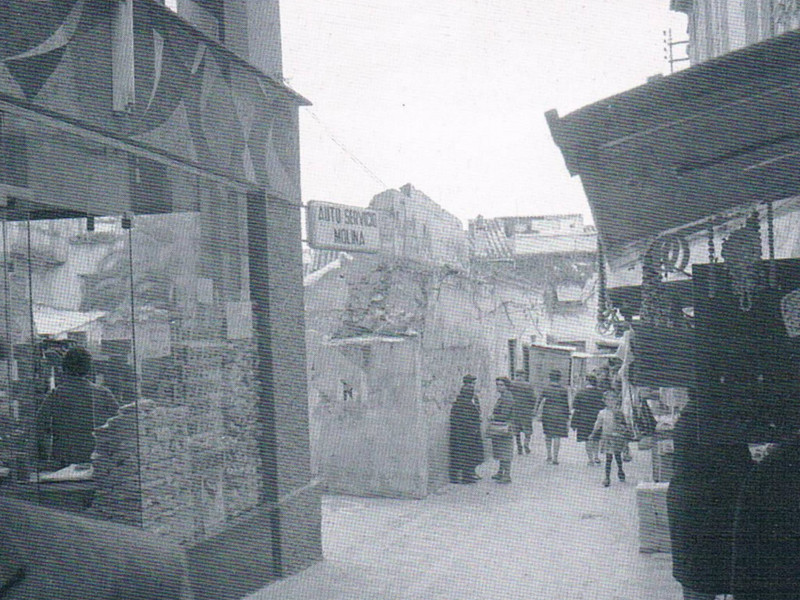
450	95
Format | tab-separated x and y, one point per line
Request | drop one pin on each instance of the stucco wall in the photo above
370	442
390	436
416	228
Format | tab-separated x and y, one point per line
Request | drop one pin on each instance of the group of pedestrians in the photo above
510	424
596	417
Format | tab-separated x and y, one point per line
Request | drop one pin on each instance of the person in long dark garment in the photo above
588	403
766	536
466	440
701	503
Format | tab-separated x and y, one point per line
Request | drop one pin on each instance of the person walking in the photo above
612	429
501	430
466	440
587	405
554	405
524	408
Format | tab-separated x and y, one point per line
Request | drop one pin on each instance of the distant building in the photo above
554	254
415	228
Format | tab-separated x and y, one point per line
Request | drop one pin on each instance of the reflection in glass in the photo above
163	309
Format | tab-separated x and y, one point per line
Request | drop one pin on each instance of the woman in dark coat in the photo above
701	505
555	415
588	403
767	527
466	440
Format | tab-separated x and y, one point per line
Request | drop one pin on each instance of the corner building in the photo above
150	212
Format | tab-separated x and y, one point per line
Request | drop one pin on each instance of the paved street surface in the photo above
554	533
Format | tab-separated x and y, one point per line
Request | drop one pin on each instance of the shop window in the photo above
160	302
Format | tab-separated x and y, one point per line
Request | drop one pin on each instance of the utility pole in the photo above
669	49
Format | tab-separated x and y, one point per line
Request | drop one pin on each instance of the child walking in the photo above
612	429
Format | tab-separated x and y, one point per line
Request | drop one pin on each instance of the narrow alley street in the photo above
554	533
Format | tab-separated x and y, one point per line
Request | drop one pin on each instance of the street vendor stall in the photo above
694	180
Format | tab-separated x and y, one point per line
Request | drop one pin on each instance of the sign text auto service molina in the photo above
341	227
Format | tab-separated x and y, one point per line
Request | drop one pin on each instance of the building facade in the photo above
716	27
556	255
150	207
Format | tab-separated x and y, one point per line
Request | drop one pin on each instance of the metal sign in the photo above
341	227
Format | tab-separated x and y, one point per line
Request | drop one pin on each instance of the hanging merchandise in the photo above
742	254
643	420
661	308
748	360
712	258
601	283
663	337
609	321
672	253
771	244
790	313
664	357
625	353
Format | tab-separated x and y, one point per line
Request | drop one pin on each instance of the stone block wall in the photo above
199	460
385	296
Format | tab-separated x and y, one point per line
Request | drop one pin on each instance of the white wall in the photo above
720	26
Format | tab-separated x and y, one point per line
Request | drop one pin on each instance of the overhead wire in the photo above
344	148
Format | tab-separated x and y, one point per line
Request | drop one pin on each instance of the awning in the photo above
721	134
57	322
